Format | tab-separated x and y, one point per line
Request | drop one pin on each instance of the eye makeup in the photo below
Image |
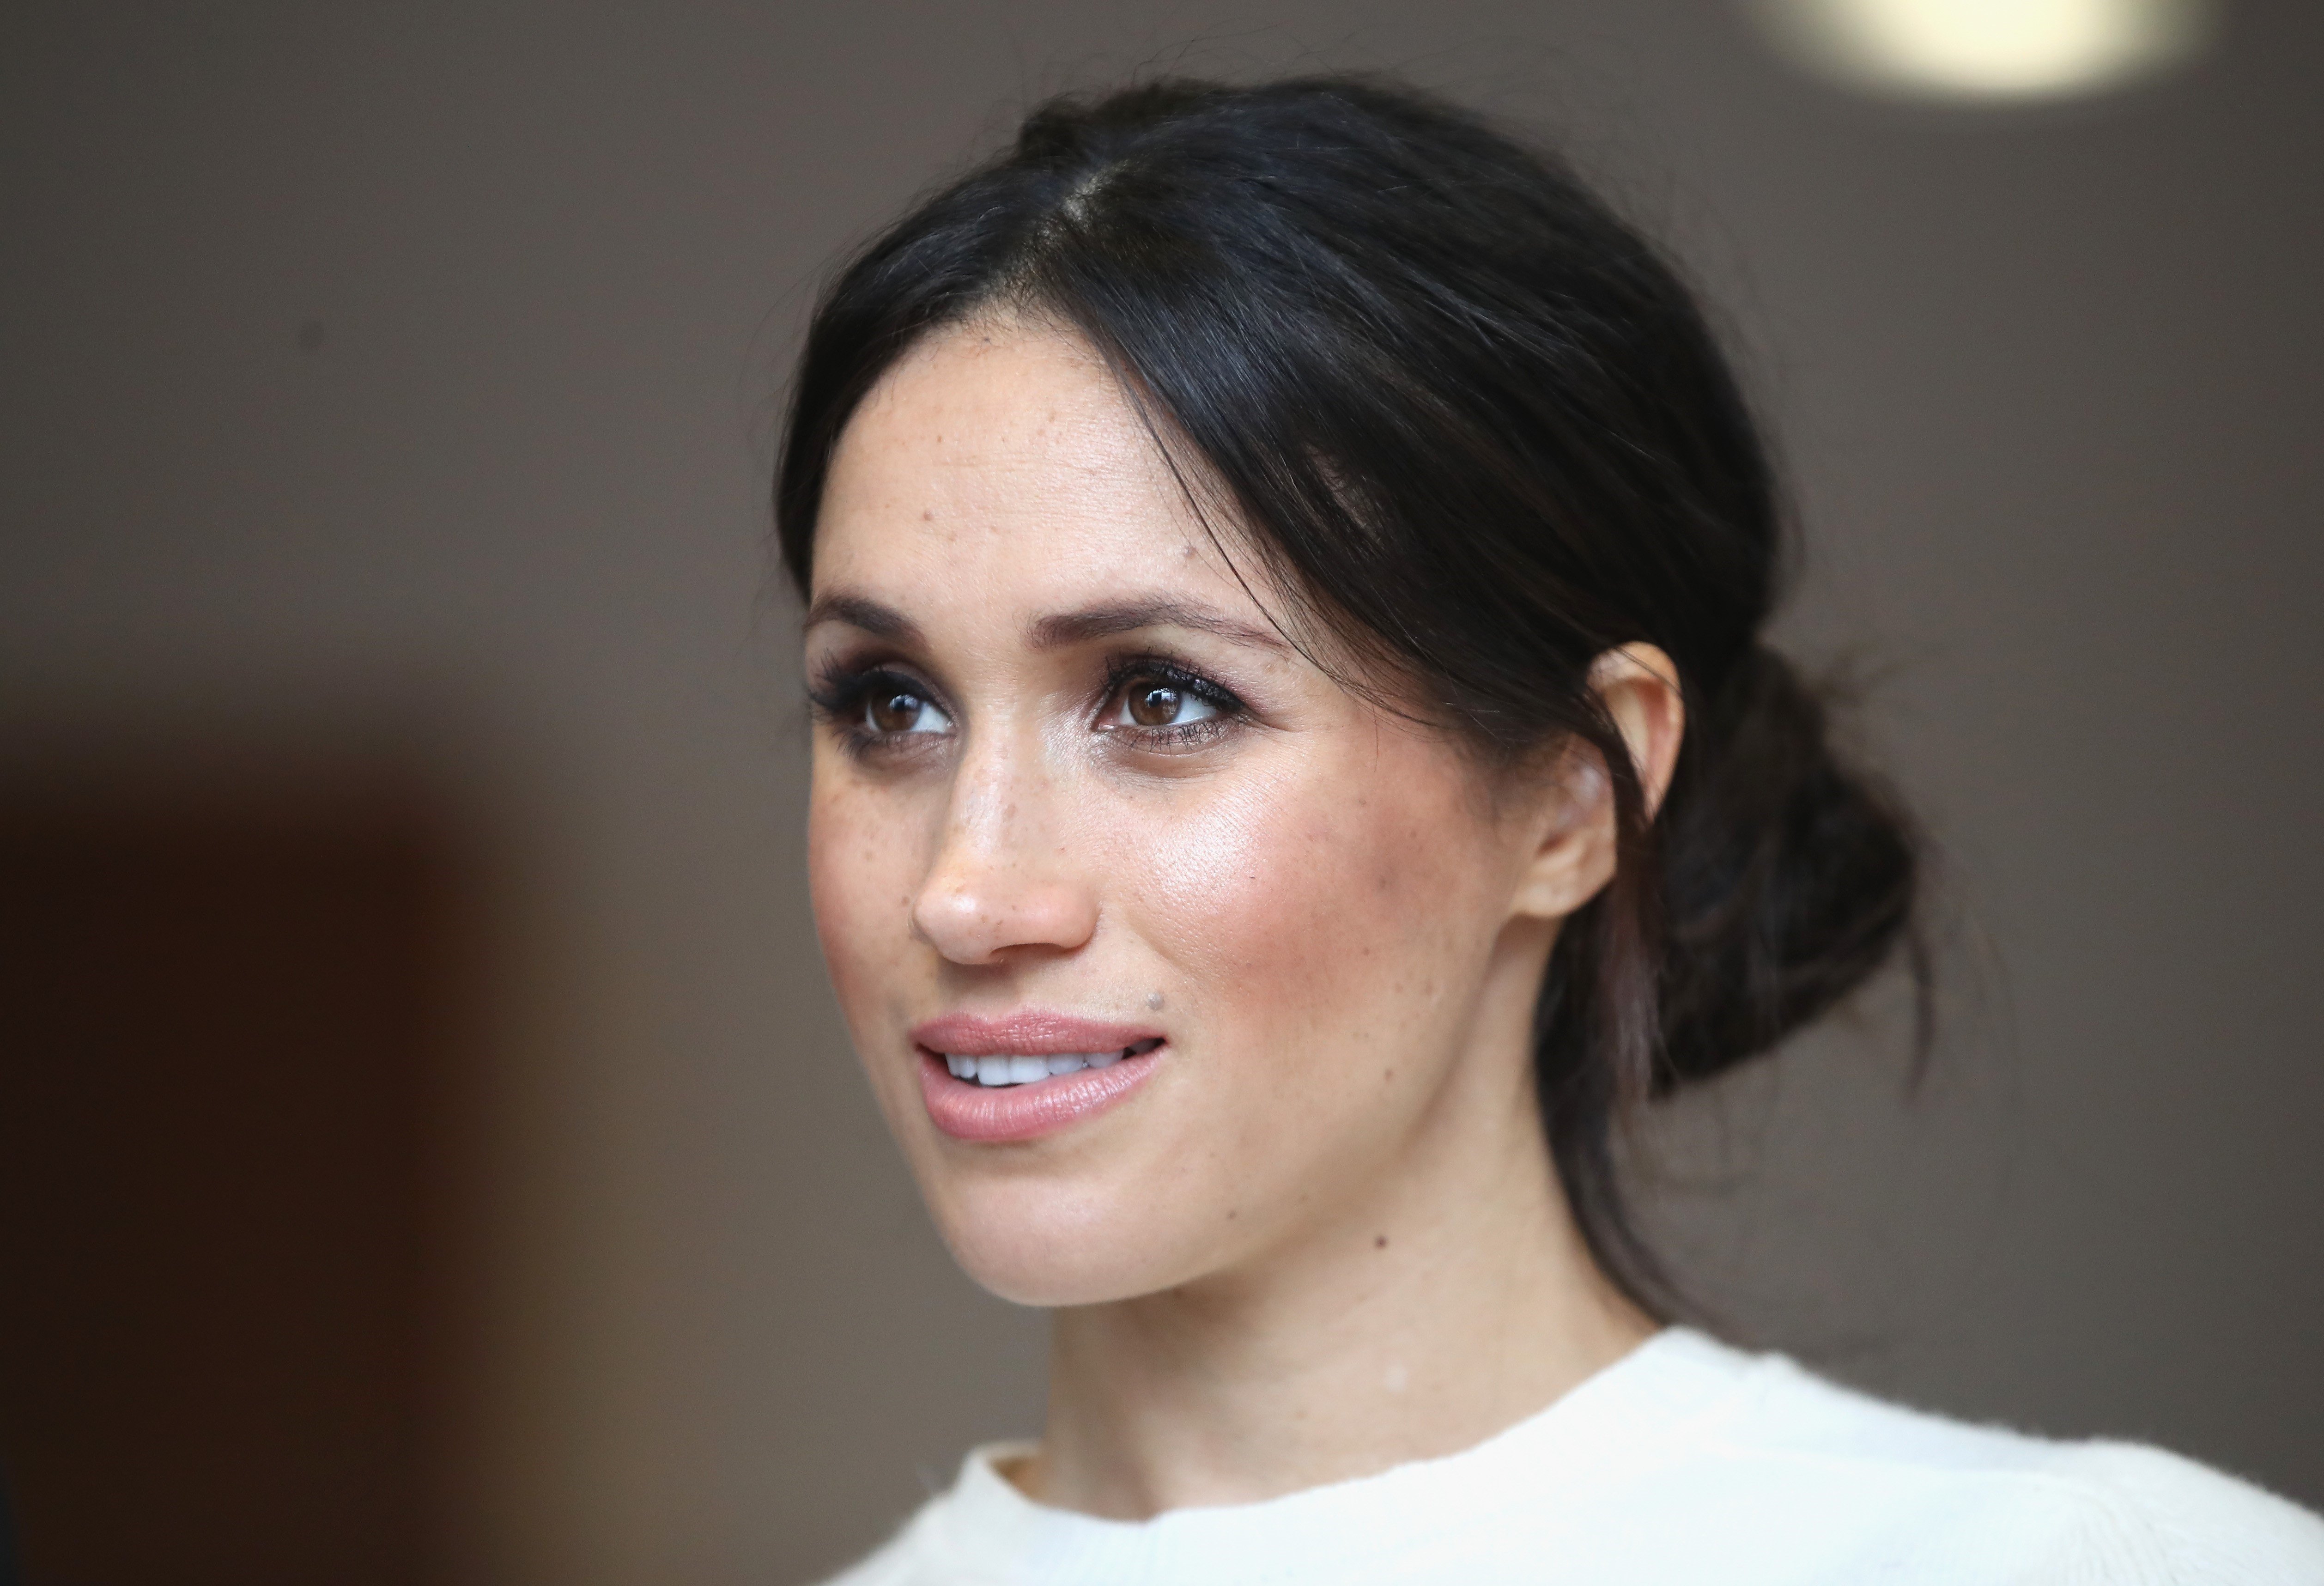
1147	703
1153	677
865	705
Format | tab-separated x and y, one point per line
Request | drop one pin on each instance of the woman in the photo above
1295	765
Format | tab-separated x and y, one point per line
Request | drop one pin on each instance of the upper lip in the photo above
1029	1032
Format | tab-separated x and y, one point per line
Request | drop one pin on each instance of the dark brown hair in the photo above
1479	426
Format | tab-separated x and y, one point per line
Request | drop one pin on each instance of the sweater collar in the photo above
1615	1420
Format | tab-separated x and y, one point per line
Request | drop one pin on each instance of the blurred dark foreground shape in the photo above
226	1018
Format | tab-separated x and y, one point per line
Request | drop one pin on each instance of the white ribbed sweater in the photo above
1686	1464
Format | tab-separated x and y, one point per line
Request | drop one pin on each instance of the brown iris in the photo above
1156	706
895	712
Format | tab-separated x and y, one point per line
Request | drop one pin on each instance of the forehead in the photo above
1000	463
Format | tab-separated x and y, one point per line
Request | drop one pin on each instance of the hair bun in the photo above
1788	876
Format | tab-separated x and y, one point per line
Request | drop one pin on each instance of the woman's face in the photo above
1080	812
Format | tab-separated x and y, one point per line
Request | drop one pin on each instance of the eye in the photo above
1154	698
1149	702
892	711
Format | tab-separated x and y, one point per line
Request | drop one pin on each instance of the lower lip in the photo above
992	1115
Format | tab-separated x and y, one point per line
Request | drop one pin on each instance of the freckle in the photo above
1380	1241
1231	1213
1387	1075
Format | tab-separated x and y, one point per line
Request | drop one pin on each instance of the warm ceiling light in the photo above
1988	49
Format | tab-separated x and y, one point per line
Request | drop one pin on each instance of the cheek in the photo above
860	869
1318	910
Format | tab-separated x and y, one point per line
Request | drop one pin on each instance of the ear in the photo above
1573	833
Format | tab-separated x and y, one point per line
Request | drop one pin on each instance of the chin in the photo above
1032	1240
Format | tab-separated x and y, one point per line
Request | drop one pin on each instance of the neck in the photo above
1456	1301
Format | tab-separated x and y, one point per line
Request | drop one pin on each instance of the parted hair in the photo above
1477	430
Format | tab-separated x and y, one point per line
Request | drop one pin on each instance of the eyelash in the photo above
1189	735
839	693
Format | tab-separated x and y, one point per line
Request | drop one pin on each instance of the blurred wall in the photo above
410	372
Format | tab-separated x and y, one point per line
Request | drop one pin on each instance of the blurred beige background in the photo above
391	391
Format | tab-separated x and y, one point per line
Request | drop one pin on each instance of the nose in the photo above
1002	880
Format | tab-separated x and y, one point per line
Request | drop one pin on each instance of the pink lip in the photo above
1034	1030
999	1115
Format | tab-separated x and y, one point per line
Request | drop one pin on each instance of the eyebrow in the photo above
883	622
1160	611
1060	628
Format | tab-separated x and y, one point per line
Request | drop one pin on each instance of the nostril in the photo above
977	922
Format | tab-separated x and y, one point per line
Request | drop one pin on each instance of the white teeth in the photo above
1021	1070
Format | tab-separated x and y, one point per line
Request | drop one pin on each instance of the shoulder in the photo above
891	1564
972	1531
2030	1507
2205	1525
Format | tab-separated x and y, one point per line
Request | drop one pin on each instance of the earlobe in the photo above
1574	842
